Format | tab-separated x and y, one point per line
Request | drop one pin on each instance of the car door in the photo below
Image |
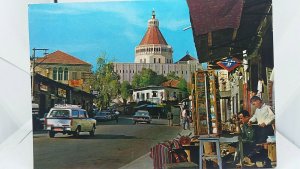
76	120
83	120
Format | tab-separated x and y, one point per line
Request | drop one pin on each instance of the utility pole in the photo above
33	68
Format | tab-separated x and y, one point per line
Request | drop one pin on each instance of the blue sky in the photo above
87	30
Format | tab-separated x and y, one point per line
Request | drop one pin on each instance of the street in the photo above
113	146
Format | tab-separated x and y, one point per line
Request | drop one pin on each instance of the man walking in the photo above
170	118
185	117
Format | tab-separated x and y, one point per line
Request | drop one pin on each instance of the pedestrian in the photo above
117	116
264	117
185	117
170	118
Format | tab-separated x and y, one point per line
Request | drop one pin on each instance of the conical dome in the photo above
153	48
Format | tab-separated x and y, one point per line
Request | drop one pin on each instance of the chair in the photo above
202	156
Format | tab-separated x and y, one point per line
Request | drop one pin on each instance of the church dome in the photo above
153	48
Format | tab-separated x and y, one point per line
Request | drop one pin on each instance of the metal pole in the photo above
33	71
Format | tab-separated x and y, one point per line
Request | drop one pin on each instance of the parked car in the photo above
69	119
141	116
104	115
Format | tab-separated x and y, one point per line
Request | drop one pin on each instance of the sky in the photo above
91	29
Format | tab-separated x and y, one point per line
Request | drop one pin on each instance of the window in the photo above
60	73
144	60
154	94
75	113
158	60
137	95
141	61
55	73
66	74
154	60
147	95
82	114
74	75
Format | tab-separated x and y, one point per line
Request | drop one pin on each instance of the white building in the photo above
156	94
154	52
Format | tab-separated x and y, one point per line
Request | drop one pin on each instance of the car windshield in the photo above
142	113
59	113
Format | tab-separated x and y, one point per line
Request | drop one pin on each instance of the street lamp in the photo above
33	67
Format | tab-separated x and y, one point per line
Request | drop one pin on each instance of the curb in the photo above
139	163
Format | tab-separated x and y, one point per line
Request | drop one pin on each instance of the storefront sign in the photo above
61	92
223	81
76	83
229	64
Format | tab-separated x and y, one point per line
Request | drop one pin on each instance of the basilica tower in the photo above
153	48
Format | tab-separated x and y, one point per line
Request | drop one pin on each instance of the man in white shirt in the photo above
264	117
185	117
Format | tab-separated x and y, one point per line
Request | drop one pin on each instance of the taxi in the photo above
69	119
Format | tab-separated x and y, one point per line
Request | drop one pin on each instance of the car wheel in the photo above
92	132
51	134
77	131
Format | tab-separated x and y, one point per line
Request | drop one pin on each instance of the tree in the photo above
125	92
147	77
182	85
106	82
172	76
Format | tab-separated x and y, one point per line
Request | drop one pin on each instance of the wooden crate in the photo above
272	151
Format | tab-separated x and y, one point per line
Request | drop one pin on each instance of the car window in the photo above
59	113
81	114
75	113
140	113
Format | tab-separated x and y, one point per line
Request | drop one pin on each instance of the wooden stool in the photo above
216	140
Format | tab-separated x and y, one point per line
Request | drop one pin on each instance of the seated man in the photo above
252	152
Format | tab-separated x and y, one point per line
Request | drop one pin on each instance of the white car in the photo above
69	119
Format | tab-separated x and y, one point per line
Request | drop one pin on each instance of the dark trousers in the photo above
263	133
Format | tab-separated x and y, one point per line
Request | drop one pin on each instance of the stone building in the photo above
64	68
154	53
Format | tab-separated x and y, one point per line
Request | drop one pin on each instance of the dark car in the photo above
141	116
104	116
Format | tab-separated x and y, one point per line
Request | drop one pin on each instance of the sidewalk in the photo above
145	162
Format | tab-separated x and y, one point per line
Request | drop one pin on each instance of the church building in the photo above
155	53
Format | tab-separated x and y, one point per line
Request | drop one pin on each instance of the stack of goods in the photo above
166	153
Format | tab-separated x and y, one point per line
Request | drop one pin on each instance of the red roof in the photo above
153	36
171	83
61	58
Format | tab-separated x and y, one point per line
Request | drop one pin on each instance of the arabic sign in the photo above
229	64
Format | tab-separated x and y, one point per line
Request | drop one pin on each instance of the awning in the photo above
224	28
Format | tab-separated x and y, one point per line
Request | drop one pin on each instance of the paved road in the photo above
113	145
